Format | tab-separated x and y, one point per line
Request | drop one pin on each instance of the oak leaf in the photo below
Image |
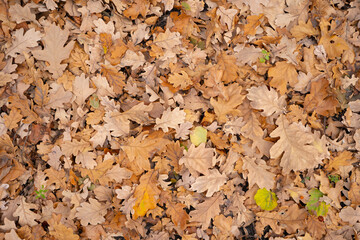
138	7
282	74
170	119
298	153
11	121
23	42
114	77
26	216
266	100
207	210
61	232
91	213
350	215
321	99
258	173
334	45
146	193
303	30
181	80
81	89
141	148
53	39
210	183
198	159
227	106
290	219
253	23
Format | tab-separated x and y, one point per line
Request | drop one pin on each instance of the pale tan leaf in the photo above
26	216
55	50
198	159
210	183
91	213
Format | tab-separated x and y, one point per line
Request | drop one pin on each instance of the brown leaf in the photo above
321	99
114	77
282	74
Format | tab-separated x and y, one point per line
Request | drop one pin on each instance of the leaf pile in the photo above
168	119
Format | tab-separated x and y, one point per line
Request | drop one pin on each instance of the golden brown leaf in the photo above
282	74
114	77
320	99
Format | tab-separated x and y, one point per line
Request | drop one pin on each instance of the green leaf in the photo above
313	205
262	60
94	101
322	209
185	5
198	136
265	199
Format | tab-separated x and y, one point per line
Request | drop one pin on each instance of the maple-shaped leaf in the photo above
267	100
26	216
210	183
297	153
54	51
321	99
61	232
23	42
170	119
227	106
207	210
258	173
282	74
91	213
81	89
198	159
145	194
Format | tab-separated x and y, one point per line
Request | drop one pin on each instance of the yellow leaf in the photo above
145	194
144	204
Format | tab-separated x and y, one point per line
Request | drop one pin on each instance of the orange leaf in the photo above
253	23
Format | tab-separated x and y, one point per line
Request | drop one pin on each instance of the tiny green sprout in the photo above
40	193
334	178
185	5
266	56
